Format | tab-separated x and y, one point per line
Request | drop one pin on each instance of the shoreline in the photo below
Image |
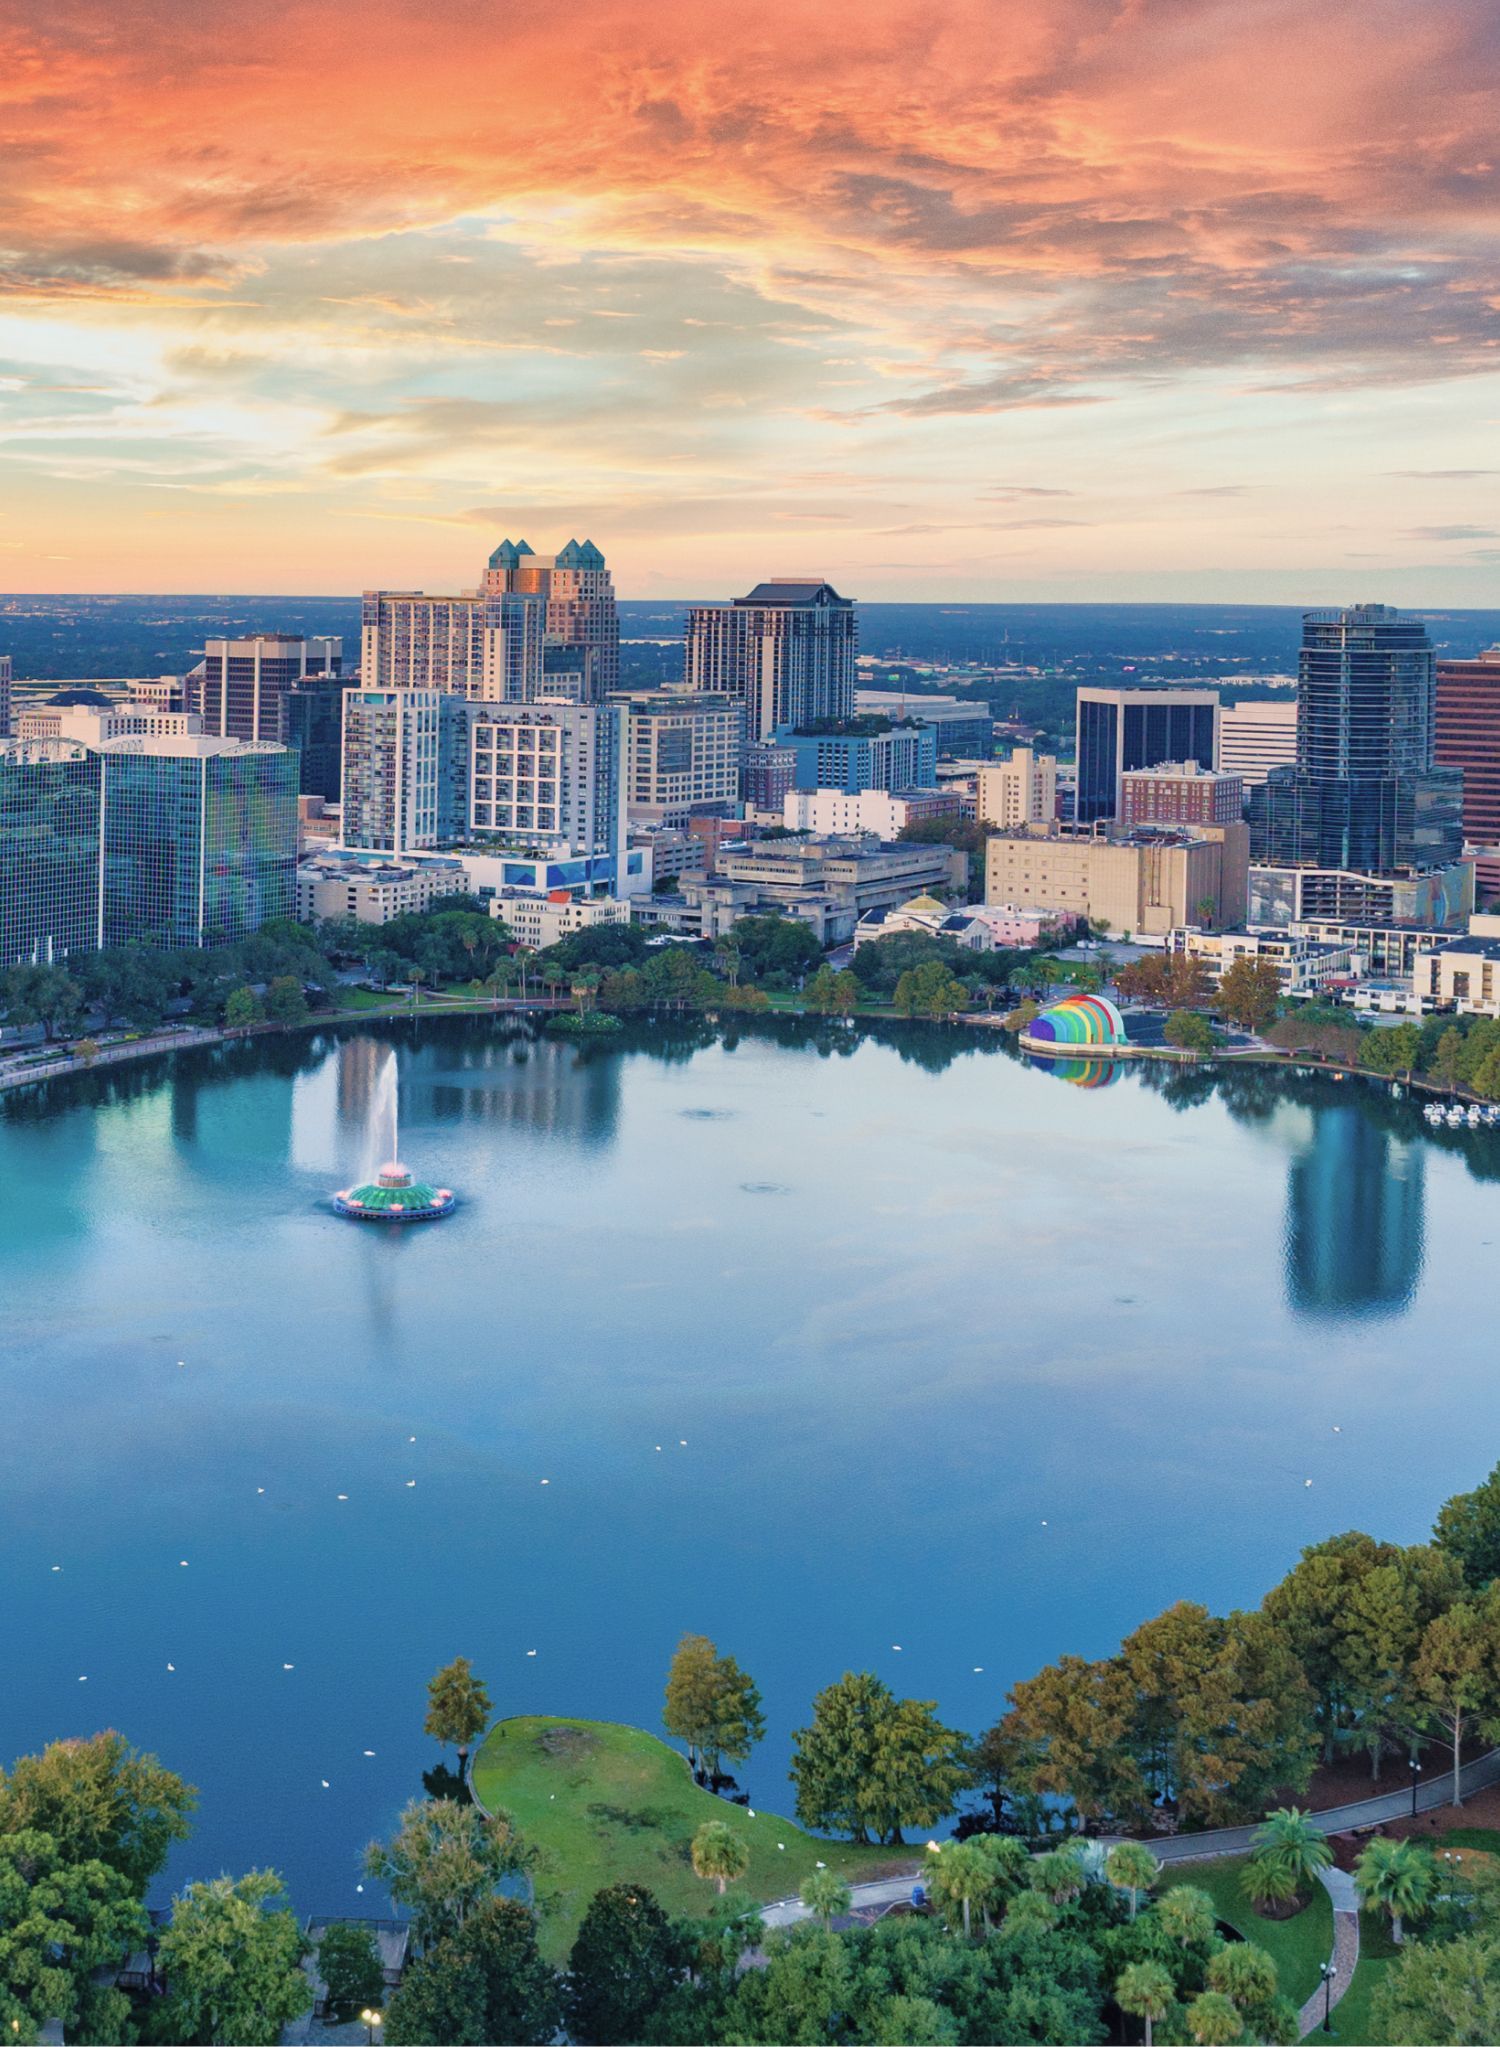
194	1038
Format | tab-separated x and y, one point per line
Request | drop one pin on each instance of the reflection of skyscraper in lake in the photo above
359	1062
539	1085
1354	1218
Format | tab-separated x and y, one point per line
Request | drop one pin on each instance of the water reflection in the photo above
1354	1217
1080	1072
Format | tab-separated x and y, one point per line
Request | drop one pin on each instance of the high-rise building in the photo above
1256	737
577	594
199	839
1018	791
786	652
473	645
1180	792
682	748
239	687
1120	729
4	696
313	723
1467	737
550	777
1364	794
768	770
49	851
405	769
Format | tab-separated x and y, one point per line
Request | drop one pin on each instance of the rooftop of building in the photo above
1482	948
1180	771
797	590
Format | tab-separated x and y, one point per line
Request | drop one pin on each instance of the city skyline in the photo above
1122	304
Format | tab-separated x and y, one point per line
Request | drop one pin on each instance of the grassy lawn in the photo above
606	1804
1351	2015
1299	1947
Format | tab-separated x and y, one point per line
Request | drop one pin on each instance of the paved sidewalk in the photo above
1345	1957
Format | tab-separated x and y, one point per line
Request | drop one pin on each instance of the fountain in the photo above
388	1192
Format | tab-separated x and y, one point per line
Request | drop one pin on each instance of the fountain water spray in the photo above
389	1193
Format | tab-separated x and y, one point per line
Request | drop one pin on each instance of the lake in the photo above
853	1350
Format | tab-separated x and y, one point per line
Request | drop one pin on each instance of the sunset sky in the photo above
972	299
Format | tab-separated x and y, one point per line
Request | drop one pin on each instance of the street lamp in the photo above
1416	1771
1328	1970
372	2019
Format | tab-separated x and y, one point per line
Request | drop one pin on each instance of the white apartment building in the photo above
371	890
539	918
391	756
1303	965
549	775
1254	738
1019	791
885	812
93	724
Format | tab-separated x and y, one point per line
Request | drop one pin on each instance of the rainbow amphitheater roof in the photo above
1079	1021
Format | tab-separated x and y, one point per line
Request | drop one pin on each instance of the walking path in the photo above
1345	1957
1432	1792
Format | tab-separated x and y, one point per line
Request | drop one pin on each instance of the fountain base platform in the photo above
395	1197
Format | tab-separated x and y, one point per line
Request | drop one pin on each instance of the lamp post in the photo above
1416	1772
1328	1970
372	2019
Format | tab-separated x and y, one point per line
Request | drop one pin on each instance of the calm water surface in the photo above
817	1343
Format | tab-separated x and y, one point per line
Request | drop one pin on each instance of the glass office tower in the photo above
1123	729
200	841
49	851
1365	792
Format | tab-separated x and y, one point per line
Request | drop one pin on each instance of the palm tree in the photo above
719	1853
1009	1864
1187	1915
1291	1840
1397	1877
1244	1973
1267	1883
1059	1876
826	1895
1213	2020
959	1878
1030	1909
1132	1867
1145	1991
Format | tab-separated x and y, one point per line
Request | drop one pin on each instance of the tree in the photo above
458	1707
349	1964
444	1860
1388	1609
1456	1674
625	1961
719	1854
1447	1061
1145	1990
960	1878
1249	993
872	1763
495	1961
1246	1975
820	990
845	992
1132	1868
242	1008
440	2002
1194	1033
60	1919
826	1895
930	991
1072	1723
1449	1992
102	1800
286	1000
711	1705
48	996
232	1957
1392	1051
1468	1529
1291	1841
1213	2021
1396	1878
1186	1915
1311	1607
1059	1875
